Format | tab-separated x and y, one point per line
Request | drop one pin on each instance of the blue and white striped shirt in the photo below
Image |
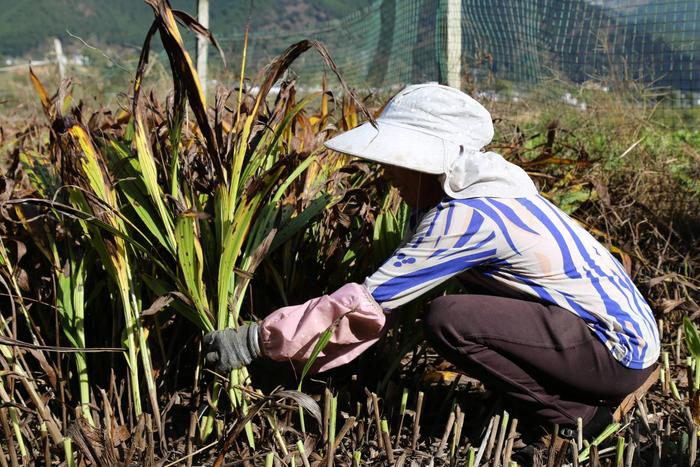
523	245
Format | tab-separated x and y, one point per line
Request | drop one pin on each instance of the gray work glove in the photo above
232	348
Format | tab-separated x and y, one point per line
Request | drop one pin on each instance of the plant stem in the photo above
18	433
331	430
68	449
377	420
620	452
446	434
404	402
278	437
416	421
302	453
501	439
471	454
387	442
511	439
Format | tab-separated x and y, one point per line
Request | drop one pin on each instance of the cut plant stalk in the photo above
9	437
387	442
501	439
494	434
68	449
302	453
327	399
448	429
402	412
377	420
331	430
584	454
347	426
512	433
471	457
278	436
18	433
457	433
484	440
416	421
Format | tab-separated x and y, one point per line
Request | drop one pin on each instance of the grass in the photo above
127	234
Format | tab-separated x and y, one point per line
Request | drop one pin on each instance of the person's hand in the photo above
232	348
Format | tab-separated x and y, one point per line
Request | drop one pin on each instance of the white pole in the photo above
454	43
60	58
202	44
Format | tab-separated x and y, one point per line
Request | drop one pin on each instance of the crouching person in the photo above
557	326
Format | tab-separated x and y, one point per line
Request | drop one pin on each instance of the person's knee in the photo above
436	320
447	331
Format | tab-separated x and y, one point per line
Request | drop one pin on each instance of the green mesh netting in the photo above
505	43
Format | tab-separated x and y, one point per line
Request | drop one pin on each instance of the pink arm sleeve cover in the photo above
291	333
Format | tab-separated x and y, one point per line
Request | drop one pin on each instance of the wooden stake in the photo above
202	44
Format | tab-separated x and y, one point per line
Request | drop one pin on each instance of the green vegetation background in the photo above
27	24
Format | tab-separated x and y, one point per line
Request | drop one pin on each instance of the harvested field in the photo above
127	233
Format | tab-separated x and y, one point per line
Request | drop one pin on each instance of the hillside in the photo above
27	25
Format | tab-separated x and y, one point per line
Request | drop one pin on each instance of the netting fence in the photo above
503	44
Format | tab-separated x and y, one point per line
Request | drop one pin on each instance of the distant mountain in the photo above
515	40
26	25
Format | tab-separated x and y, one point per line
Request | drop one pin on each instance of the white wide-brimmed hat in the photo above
440	130
421	128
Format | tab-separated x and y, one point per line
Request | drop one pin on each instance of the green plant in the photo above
179	213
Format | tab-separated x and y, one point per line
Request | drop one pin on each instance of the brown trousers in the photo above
543	358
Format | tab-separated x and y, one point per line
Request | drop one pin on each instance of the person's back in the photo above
523	246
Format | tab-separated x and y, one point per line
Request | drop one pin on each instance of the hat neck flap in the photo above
476	174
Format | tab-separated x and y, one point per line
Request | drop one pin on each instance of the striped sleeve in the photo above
450	239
